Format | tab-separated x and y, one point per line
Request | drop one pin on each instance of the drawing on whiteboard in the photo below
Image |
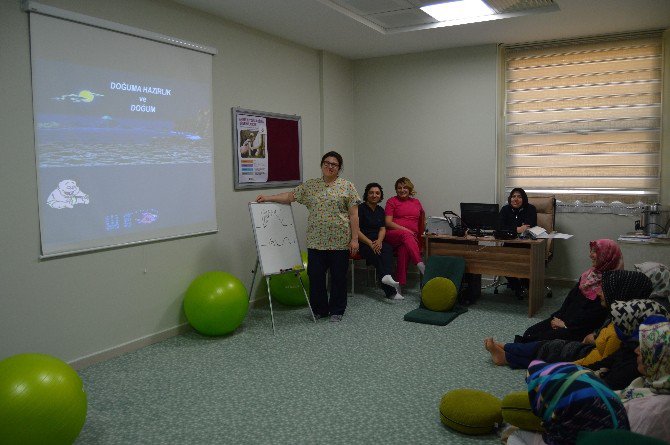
276	239
269	215
279	243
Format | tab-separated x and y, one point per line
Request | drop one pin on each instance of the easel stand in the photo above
296	272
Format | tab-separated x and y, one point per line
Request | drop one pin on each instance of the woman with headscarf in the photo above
647	398
581	311
569	399
617	285
620	368
517	216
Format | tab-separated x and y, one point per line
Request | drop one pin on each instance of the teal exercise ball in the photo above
286	289
216	303
42	400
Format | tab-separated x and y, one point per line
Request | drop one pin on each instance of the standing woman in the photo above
404	214
371	234
332	233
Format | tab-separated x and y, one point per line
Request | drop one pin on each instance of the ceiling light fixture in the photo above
461	11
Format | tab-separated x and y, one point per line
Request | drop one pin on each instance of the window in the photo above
583	119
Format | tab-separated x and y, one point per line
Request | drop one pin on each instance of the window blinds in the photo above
582	120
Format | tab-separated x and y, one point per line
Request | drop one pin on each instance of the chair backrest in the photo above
422	231
546	217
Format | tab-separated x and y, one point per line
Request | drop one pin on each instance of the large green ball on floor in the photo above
439	294
470	411
216	303
516	411
42	400
286	289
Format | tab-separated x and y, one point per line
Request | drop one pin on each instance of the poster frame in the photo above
239	185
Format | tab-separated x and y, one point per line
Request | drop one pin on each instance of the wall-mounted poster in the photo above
267	149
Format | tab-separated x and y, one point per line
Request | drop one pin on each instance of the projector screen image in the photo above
123	136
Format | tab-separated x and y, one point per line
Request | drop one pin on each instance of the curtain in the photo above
583	118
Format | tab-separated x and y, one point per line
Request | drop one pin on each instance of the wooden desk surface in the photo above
488	256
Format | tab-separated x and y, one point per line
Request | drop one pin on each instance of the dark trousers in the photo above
319	262
519	355
383	263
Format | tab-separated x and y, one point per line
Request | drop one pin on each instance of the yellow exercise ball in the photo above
439	294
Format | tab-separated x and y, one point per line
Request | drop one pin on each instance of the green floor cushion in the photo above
444	266
616	437
439	294
426	316
516	411
470	411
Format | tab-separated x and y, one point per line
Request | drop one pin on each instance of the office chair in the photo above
546	218
352	264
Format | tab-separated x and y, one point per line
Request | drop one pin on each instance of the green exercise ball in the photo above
216	303
439	294
42	400
286	289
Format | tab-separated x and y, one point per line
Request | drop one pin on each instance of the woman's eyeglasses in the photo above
330	164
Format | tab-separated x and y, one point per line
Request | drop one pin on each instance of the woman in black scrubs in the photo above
371	233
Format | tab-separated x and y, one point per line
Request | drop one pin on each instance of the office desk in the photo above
497	259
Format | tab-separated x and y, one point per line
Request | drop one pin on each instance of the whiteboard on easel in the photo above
276	238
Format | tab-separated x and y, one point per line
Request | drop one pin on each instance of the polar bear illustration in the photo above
67	195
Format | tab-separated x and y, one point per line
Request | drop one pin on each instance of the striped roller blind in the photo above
583	119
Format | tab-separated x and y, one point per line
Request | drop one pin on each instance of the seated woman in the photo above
617	286
569	399
371	234
647	398
581	312
403	217
618	369
518	215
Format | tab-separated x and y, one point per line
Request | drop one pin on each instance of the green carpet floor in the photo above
372	378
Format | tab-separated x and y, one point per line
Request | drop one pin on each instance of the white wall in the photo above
430	117
337	76
81	305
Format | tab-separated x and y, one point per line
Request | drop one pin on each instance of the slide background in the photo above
149	175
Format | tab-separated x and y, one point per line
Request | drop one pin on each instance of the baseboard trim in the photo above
130	346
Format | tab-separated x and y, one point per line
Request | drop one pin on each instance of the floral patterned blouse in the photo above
328	221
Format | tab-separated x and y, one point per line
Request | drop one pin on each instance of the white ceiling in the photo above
317	25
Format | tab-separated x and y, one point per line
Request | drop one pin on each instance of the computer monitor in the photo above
479	216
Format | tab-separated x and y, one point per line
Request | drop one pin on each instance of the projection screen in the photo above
123	137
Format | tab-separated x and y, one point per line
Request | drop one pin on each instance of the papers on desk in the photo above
538	232
635	238
556	235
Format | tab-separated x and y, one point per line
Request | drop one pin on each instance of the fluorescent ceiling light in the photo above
459	10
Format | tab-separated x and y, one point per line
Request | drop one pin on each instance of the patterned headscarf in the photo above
655	354
569	399
659	274
608	257
627	316
624	285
